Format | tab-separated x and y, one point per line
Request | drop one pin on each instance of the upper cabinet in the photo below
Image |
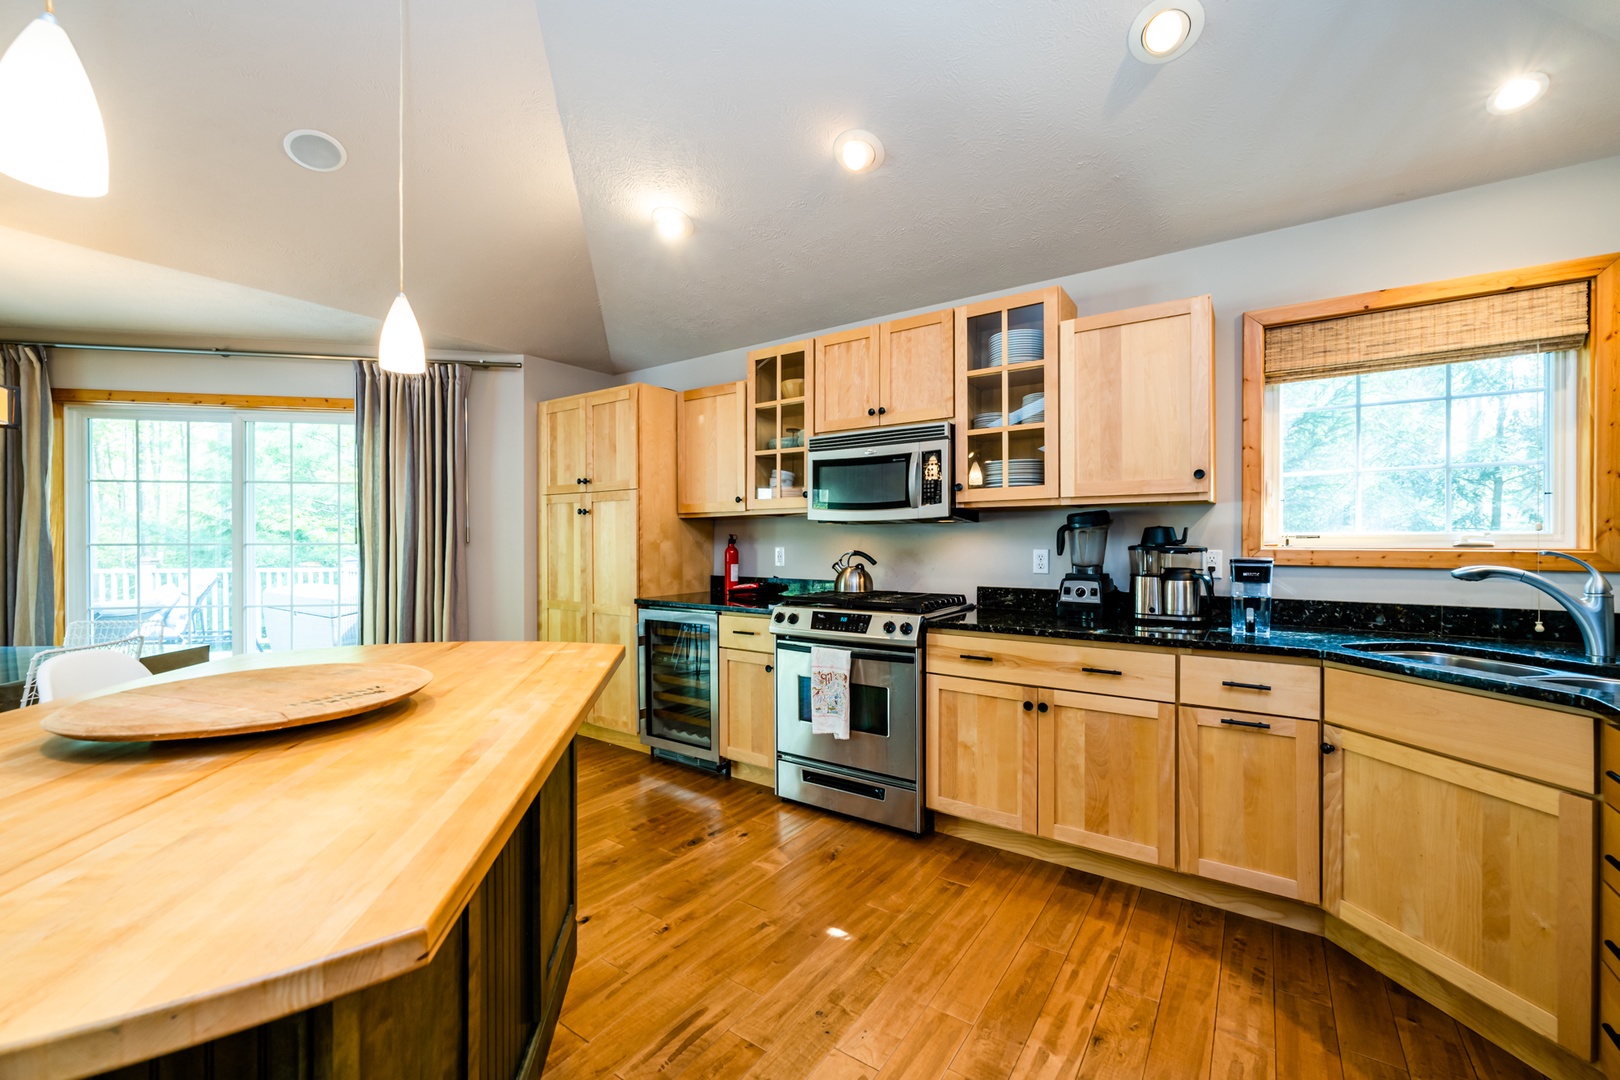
1138	404
711	475
590	442
895	373
780	381
1006	374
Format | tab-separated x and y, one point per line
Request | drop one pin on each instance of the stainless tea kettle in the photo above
852	576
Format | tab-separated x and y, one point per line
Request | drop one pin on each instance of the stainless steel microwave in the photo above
882	474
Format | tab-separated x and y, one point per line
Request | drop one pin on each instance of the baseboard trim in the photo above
754	774
1274	909
1527	1045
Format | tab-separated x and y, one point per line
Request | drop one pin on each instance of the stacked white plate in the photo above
1033	410
992	473
1022	345
1026	472
986	419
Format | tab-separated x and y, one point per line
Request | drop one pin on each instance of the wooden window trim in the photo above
62	396
1598	403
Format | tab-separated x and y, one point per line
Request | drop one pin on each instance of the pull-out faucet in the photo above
1593	612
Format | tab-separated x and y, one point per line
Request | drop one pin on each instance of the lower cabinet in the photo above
981	751
1250	801
1482	878
1107	774
748	707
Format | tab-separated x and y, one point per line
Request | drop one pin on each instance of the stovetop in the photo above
901	603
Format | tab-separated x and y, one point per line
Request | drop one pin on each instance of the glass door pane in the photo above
680	683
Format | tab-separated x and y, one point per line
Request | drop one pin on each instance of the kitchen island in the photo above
388	895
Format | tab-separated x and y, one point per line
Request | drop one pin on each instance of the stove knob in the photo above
780	617
905	628
888	627
793	618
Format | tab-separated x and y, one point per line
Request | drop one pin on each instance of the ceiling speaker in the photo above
315	150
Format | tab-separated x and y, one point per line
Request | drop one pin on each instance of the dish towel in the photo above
829	692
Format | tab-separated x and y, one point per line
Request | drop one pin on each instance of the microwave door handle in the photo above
914	480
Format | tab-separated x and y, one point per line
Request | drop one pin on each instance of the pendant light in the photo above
51	135
400	349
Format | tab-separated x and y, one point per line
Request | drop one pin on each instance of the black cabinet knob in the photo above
956	487
584	510
1198	474
881	410
1042	707
769	669
739	498
1029	706
1328	748
871	412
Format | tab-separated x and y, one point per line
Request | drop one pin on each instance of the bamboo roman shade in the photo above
1544	319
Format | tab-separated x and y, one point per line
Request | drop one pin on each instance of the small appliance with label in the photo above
1085	585
1169	585
1251	596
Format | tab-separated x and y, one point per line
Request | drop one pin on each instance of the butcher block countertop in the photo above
157	895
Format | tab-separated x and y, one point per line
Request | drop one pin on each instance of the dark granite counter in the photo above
759	601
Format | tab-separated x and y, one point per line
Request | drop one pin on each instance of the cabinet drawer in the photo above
1609	929
1088	669
750	632
1609	1023
1541	743
1610	863
1610	780
1222	682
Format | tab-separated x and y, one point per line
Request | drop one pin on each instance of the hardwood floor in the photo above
725	933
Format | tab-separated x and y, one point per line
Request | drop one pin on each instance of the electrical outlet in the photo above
1212	562
781	556
1041	556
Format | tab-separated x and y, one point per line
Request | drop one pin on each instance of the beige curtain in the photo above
27	582
411	434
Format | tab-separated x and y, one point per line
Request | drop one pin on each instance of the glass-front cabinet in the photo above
777	429
1007	373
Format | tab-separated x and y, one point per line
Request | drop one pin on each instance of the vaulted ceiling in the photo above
1023	142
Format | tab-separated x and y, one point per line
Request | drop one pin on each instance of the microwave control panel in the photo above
933	478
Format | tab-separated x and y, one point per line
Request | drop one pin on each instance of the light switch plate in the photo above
1212	561
1041	560
781	556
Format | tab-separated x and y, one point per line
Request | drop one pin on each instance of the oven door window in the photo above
868	707
879	482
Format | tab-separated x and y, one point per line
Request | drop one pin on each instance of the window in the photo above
231	528
1415	426
1476	453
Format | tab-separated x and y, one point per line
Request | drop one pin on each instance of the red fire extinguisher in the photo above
731	564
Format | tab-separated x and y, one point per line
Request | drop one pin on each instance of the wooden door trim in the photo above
739	656
1025	819
1576	946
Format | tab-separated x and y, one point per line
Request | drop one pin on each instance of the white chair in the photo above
86	670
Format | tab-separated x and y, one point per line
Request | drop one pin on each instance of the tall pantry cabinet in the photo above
608	527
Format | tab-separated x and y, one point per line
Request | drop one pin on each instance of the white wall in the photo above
1564	214
502	469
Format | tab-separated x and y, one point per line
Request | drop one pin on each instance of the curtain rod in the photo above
253	353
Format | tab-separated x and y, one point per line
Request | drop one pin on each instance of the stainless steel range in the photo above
877	772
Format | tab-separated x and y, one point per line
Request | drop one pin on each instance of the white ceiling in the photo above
1023	143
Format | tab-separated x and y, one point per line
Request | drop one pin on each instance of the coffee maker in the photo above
1085	585
1169	585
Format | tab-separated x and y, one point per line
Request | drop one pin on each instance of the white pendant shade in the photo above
51	134
401	350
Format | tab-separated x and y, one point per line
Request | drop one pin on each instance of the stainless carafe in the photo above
1168	580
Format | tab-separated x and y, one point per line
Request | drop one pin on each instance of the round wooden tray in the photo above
237	702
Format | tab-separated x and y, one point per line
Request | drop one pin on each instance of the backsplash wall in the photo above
1562	214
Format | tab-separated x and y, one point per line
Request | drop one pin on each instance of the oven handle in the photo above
898	656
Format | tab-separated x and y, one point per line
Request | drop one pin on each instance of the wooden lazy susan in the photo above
237	702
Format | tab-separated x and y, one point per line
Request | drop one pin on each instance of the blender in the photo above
1085	585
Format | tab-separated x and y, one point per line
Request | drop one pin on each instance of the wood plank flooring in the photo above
725	933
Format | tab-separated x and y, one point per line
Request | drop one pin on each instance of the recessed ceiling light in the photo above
315	150
858	151
1517	92
1165	29
671	223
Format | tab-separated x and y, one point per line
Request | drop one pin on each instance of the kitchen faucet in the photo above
1593	612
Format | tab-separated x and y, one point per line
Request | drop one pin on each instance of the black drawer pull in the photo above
1101	671
1611	860
1614	1036
747	633
1246	685
983	659
1246	723
1611	946
1612	775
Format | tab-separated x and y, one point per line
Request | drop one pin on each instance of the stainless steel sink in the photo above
1457	661
1578	682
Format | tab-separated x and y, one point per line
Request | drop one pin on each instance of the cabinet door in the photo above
748	707
563	446
1139	407
610	521
918	368
616	708
846	383
981	751
1250	804
564	567
611	430
1107	774
709	475
1482	878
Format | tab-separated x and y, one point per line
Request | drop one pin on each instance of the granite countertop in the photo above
771	591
